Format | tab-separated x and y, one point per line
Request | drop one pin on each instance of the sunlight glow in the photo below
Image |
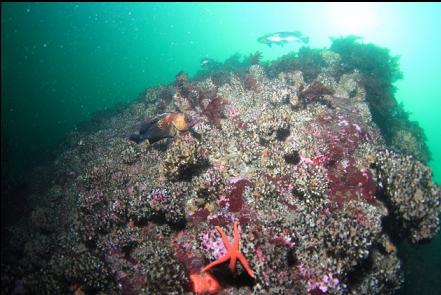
352	17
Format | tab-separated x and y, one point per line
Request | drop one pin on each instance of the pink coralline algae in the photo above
212	243
324	283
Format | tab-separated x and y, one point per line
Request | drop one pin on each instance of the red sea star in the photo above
233	252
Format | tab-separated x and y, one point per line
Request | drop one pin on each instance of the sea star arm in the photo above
235	251
224	238
245	265
227	246
219	261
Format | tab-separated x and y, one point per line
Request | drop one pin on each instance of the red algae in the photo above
235	199
351	184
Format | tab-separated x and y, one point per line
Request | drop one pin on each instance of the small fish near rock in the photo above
282	38
162	126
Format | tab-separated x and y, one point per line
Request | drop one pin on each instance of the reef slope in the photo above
289	151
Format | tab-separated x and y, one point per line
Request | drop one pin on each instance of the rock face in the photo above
301	166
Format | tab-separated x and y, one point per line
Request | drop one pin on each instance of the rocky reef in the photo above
291	150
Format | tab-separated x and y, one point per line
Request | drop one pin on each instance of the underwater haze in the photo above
63	62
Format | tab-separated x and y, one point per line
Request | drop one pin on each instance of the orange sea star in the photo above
233	252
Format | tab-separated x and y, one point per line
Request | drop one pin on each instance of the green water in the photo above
62	62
